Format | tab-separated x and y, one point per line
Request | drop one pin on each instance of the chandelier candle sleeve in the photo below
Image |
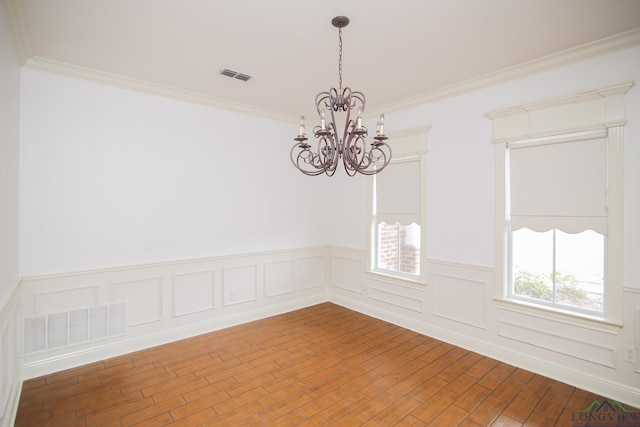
380	130
347	145
302	129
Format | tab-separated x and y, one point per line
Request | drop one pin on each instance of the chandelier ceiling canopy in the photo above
335	145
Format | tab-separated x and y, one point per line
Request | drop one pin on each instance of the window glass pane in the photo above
388	241
559	268
398	248
532	262
580	269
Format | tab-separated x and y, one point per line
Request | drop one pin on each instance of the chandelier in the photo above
334	145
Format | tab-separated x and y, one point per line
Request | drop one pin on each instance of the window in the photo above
397	204
559	269
559	206
397	218
557	203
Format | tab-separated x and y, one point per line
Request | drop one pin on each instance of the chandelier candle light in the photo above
351	147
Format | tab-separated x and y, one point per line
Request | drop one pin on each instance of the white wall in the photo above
9	149
9	219
457	304
192	215
113	177
460	179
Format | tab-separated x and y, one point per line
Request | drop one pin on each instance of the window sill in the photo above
398	280
558	315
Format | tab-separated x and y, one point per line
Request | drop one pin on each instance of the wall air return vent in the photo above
54	330
234	74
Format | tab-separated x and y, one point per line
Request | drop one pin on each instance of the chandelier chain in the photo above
340	58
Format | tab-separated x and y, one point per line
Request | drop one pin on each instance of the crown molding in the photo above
69	70
16	18
19	28
566	57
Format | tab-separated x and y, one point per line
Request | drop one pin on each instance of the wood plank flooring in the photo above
322	365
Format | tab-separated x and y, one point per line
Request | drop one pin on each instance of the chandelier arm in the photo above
323	98
348	160
358	96
334	154
328	147
381	160
347	131
306	157
356	155
367	162
350	145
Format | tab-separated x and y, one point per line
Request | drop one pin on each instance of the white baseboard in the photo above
108	350
598	385
11	410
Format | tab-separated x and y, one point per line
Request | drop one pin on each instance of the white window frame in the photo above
562	139
407	145
601	109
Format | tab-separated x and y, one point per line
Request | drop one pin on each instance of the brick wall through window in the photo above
396	252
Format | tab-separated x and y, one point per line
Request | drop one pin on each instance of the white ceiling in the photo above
394	51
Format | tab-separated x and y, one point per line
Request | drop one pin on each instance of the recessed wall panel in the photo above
240	284
459	299
66	299
143	297
194	292
311	272
347	274
396	295
559	343
278	278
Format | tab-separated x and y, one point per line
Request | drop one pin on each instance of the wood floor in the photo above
322	365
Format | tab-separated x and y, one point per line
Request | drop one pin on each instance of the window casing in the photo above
568	119
397	210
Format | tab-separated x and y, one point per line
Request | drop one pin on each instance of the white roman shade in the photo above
398	193
560	185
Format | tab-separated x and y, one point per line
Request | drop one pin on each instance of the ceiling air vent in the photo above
234	74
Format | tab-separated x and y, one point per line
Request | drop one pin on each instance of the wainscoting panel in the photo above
193	292
240	284
165	302
399	296
347	274
584	357
10	364
5	373
559	343
311	272
278	278
459	307
459	299
143	297
66	299
636	340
